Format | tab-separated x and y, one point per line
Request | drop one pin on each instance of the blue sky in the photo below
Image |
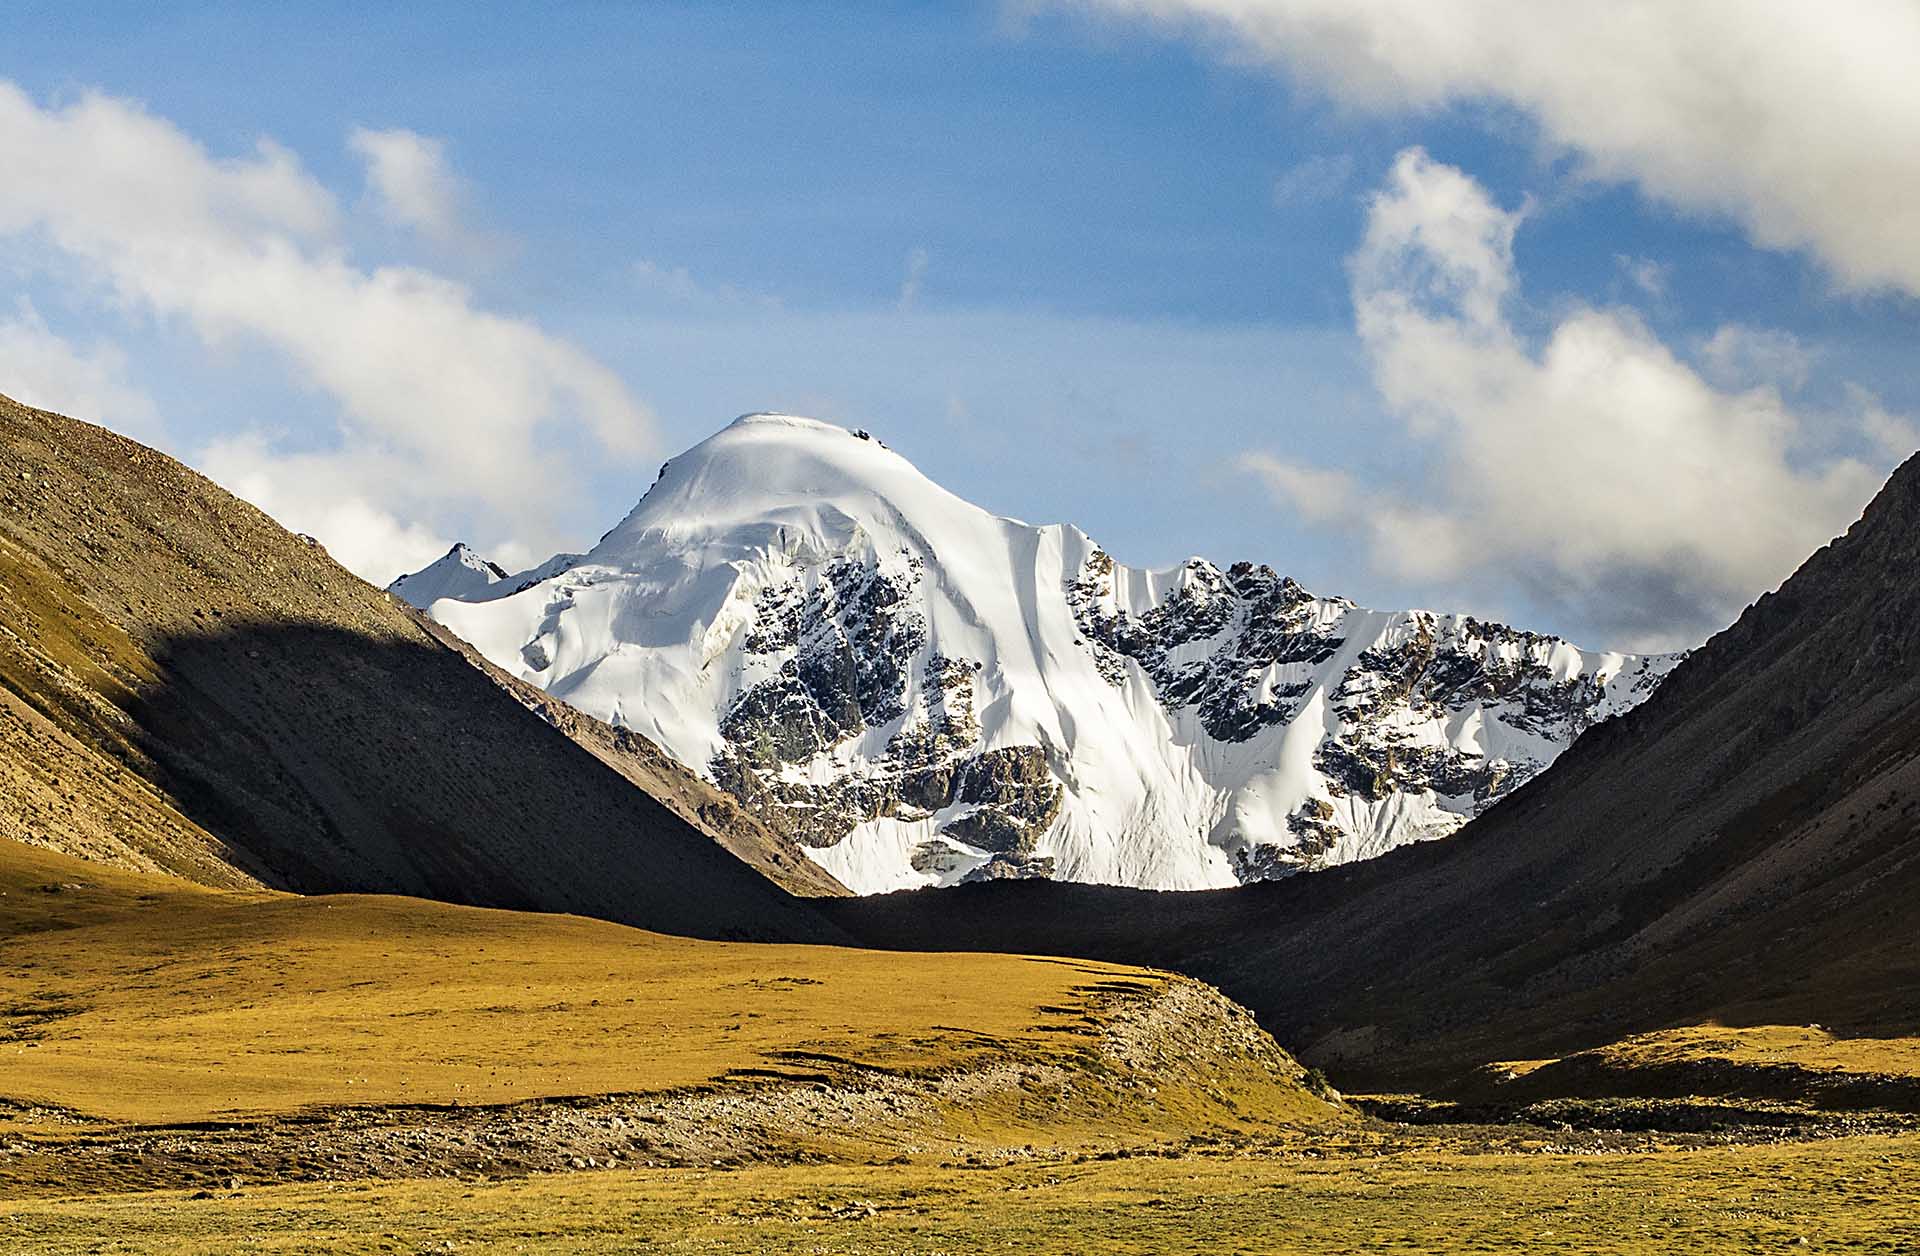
1076	264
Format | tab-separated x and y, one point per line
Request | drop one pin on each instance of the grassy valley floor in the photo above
188	1070
1855	1194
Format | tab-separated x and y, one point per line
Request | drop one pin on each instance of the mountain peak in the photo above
460	572
464	575
466	557
784	482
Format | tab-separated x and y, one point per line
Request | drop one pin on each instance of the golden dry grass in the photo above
1799	1064
1854	1195
144	999
1803	1046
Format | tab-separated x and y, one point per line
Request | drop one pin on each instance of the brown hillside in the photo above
187	687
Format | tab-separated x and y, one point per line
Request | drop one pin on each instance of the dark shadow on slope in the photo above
343	762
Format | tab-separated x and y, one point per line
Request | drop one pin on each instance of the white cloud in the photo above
1335	500
1739	356
39	368
912	277
305	493
1647	275
1316	494
1595	471
1313	181
1895	436
441	401
412	182
1800	121
1435	241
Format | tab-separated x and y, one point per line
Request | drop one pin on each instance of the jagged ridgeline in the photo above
923	693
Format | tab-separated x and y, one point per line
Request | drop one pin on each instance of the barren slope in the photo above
775	856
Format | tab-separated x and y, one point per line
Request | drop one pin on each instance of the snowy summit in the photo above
458	573
464	576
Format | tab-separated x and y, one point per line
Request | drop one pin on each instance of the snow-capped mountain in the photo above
458	573
464	576
922	692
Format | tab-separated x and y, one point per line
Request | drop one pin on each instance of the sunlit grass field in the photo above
1803	1047
1859	1195
141	1000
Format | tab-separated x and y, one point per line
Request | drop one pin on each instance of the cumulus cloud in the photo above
412	181
1594	470
439	400
1317	494
1646	275
1737	356
1800	121
1895	436
40	368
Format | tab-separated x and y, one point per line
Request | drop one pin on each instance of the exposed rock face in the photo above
1016	796
922	693
843	644
1256	630
1255	619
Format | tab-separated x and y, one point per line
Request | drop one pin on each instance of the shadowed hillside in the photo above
186	687
775	856
1744	846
